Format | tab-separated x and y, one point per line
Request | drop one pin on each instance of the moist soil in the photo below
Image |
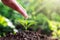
26	35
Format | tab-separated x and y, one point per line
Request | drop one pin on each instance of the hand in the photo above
14	5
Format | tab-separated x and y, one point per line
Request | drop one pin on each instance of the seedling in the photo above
27	23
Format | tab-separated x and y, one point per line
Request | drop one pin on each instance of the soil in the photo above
26	35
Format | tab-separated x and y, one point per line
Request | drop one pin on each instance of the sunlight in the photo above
52	4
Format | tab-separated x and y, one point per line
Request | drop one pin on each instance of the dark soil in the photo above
26	35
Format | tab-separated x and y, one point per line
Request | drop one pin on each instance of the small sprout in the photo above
27	23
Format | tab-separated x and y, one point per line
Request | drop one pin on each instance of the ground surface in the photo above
26	35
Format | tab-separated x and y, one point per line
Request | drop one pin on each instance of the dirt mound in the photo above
26	35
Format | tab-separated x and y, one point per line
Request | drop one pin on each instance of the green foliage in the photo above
55	27
6	26
55	17
43	14
41	18
27	23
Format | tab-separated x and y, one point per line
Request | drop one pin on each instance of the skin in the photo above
14	5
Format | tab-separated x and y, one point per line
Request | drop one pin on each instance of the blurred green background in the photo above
43	14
